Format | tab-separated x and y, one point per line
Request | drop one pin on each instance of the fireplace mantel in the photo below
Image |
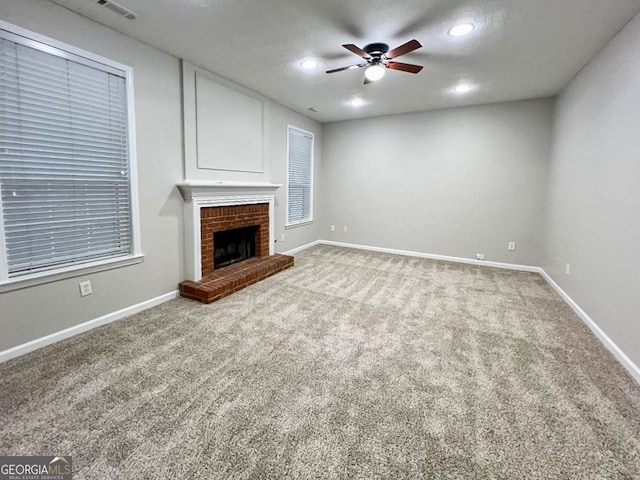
202	189
199	194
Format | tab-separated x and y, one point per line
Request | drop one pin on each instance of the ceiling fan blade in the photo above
405	67
357	50
410	46
350	67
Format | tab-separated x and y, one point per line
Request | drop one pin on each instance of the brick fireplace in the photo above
215	207
222	219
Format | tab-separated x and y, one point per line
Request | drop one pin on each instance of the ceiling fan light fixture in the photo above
461	29
374	72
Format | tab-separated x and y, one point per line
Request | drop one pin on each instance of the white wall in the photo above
34	312
450	182
594	191
37	311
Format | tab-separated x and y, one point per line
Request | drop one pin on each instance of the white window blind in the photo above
300	177
64	162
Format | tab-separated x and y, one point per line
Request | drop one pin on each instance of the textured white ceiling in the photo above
519	48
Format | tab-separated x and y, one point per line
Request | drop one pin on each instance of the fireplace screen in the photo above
232	246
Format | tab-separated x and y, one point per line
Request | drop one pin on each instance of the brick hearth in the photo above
218	283
225	281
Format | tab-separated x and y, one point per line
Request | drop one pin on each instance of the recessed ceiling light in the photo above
463	88
309	64
461	29
356	102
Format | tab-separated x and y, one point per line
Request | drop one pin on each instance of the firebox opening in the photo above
232	246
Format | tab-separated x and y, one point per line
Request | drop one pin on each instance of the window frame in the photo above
309	220
54	47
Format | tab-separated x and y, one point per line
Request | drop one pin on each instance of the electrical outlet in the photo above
479	256
283	237
512	246
345	229
567	269
333	228
85	288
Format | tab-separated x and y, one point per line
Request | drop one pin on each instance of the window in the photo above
66	167
300	176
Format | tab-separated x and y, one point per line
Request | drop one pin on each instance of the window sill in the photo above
69	272
299	224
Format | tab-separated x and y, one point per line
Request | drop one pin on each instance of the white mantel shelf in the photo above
195	189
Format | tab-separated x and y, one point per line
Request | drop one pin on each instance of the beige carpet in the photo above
350	365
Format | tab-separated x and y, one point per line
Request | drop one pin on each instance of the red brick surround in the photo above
219	219
226	280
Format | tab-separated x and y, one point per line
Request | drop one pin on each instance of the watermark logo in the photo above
36	468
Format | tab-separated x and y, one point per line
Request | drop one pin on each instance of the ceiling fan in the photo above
378	58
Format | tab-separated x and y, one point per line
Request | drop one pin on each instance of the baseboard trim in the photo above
446	258
625	361
617	352
84	327
302	247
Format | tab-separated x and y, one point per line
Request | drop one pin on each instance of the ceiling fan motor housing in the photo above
376	50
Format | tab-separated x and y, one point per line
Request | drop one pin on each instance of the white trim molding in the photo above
199	194
616	351
84	327
198	189
70	272
303	247
445	258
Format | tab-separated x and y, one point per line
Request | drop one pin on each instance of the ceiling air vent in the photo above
119	9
